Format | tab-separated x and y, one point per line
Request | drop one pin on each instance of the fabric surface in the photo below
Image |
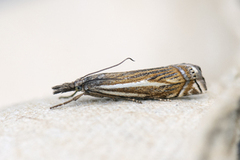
101	129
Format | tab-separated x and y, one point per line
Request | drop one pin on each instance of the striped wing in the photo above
163	82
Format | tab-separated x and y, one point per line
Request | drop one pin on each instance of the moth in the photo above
156	83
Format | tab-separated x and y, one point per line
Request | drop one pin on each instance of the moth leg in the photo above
125	98
73	99
114	99
165	100
137	101
134	100
65	97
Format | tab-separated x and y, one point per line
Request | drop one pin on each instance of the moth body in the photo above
156	83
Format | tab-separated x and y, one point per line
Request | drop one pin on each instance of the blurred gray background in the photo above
45	43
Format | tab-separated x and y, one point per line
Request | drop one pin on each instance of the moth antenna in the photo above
108	67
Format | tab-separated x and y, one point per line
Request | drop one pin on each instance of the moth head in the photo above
65	87
78	84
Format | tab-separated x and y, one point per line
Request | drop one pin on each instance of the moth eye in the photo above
79	88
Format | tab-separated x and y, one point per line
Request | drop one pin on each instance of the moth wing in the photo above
162	82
